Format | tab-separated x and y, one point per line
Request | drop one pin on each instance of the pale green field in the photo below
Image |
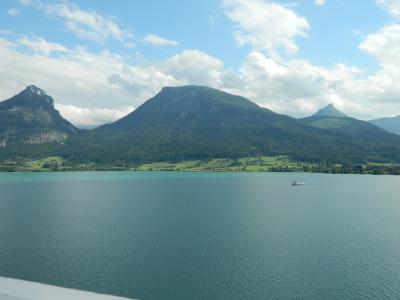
249	164
45	163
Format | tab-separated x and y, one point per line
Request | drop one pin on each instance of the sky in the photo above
100	60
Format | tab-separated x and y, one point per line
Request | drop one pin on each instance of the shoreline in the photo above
182	171
262	164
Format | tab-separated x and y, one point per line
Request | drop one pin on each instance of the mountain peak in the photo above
330	111
197	95
33	89
31	96
191	104
390	124
30	117
191	88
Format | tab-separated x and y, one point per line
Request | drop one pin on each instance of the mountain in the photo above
30	118
192	122
189	122
389	124
329	111
331	119
195	122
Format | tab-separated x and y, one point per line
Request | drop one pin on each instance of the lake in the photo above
156	235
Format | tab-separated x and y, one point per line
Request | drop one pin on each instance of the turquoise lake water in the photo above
157	236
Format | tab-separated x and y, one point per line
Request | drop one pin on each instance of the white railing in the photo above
15	289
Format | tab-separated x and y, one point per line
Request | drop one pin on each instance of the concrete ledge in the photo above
15	289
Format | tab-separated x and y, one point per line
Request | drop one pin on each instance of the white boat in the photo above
297	183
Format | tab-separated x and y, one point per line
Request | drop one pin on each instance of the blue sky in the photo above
201	25
101	59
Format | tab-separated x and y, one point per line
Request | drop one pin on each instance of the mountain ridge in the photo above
330	118
30	118
390	124
329	111
197	122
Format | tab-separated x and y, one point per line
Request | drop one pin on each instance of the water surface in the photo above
204	235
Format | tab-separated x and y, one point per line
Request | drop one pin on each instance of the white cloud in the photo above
85	117
87	24
93	88
77	78
384	45
380	91
265	26
13	12
188	67
391	6
319	2
41	46
157	40
25	2
82	81
295	87
193	66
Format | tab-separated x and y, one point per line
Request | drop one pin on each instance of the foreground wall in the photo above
14	289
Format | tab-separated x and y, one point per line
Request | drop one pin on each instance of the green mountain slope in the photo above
389	124
329	111
30	118
331	119
190	122
328	118
195	122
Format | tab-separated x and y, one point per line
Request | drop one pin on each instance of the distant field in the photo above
247	164
45	164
